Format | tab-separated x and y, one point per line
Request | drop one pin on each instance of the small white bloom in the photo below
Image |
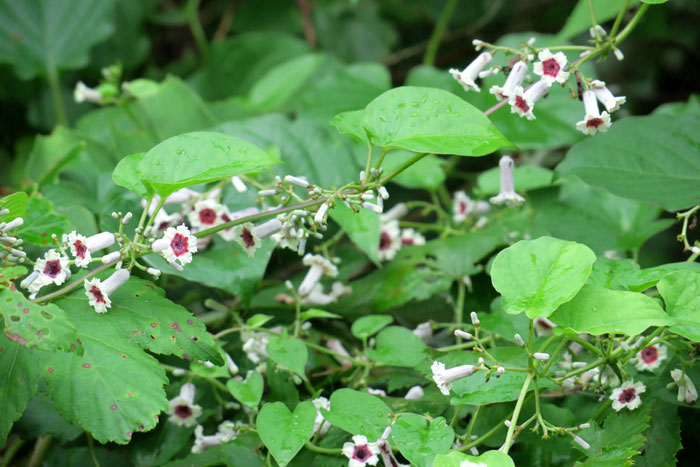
468	463
267	192
389	240
627	395
603	94
551	67
475	318
320	216
478	44
268	228
522	101
499	371
383	192
578	440
619	55
320	425
318	266
238	184
424	331
202	442
230	364
695	250
83	93
514	80
163	220
318	297
463	334
445	377
336	346
53	268
375	208
593	122
13	224
182	409
468	76
298	181
650	358
395	213
227	216
541	356
177	244
98	292
254	345
414	393
462	206
111	257
81	247
507	192
206	214
361	452
376	392
543	327
686	389
519	340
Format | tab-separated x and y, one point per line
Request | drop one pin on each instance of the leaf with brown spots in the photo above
18	367
32	325
153	322
114	388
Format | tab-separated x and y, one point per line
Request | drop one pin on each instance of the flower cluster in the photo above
392	237
552	68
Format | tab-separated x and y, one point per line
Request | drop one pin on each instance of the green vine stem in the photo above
439	31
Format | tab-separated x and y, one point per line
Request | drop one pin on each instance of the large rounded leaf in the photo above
430	120
681	292
536	276
654	158
283	432
358	413
421	441
199	157
597	310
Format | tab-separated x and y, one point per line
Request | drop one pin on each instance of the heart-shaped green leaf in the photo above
283	432
358	413
536	276
248	392
421	441
200	157
681	292
288	352
398	346
128	174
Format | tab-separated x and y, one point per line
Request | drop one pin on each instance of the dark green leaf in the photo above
419	440
398	346
51	154
358	413
427	173
370	325
283	432
362	228
41	222
289	353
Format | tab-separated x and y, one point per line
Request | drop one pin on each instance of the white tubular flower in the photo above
230	364
383	192
462	205
98	292
53	268
376	392
468	76
475	319
182	409
414	393
298	181
177	244
543	327
514	80
267	192
593	121
395	213
255	346
202	442
686	388
318	267
227	216
375	208
541	356
650	358
551	67
227	431
507	192
463	334
619	55
180	196
163	220
445	377
338	289
206	213
603	94
361	452
238	184
113	256
320	216
627	395
244	234
389	240
4	212
13	224
578	440
83	93
523	101
336	346
27	281
424	331
81	247
519	340
478	44
320	425
268	228
318	297
411	237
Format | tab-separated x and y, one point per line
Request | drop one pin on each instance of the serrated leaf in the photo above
370	325
596	310
39	36
283	432
45	327
430	120
419	440
358	413
663	437
289	353
152	321
620	430
114	388
200	157
20	378
10	273
537	276
248	392
681	293
398	346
